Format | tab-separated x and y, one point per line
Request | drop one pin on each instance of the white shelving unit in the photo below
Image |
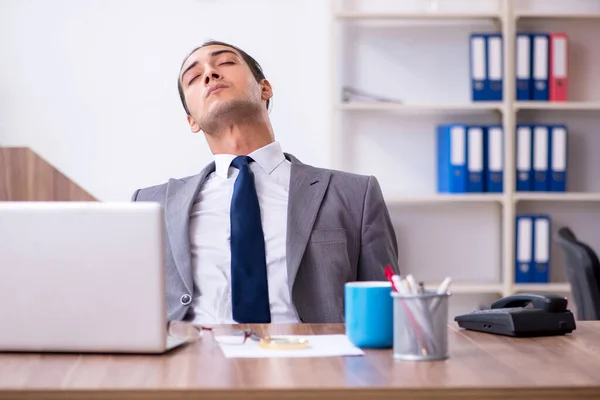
573	106
562	16
470	288
560	197
447	198
506	112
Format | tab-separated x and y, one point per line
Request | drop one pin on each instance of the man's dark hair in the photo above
251	62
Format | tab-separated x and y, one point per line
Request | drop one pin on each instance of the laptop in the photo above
83	277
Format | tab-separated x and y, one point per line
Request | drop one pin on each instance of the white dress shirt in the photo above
210	236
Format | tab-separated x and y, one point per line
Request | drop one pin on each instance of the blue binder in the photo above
475	158
524	249
495	66
558	158
524	158
495	159
541	249
452	158
478	67
523	66
541	158
540	66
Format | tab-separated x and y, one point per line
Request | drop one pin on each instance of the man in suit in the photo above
258	236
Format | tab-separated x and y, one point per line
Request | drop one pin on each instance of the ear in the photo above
193	124
266	90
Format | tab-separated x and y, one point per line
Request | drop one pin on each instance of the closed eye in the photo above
227	63
193	79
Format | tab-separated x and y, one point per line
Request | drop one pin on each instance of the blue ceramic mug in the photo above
369	317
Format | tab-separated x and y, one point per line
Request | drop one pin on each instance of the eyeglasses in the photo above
233	336
228	336
224	335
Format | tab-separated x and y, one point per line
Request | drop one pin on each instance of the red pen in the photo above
389	273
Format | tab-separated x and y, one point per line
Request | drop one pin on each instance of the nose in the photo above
211	75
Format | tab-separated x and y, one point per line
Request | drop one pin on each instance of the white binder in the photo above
541	250
495	159
523	67
524	249
540	158
524	148
475	159
558	159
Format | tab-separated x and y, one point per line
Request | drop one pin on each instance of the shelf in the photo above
414	15
542	287
565	16
468	288
567	105
445	198
390	106
493	197
561	197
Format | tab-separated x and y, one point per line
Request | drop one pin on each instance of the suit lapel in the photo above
307	189
180	198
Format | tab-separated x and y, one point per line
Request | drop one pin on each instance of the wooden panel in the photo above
25	176
481	366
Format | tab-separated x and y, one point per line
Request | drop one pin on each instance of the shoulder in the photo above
159	192
353	185
349	180
156	192
342	181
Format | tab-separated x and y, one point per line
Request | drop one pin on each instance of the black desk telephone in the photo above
524	315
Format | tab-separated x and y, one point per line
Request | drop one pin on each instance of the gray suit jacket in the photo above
338	230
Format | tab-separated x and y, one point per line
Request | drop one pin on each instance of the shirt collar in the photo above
267	157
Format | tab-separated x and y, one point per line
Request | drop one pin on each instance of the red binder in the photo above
558	66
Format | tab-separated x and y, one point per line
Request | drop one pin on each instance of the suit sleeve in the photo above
379	246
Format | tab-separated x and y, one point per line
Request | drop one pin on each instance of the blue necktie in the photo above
249	287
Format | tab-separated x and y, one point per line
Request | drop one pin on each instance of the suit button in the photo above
186	299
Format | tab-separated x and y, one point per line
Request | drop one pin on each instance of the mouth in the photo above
214	89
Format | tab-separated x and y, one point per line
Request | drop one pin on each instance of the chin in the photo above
226	112
219	106
231	108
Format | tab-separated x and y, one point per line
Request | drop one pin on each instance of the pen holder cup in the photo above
421	326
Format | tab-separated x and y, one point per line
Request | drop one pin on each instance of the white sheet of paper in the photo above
318	346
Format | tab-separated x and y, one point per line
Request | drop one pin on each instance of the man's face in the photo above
216	81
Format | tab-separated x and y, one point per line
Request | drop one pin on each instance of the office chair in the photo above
583	272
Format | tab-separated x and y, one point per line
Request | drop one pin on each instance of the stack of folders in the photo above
532	248
541	158
540	66
470	158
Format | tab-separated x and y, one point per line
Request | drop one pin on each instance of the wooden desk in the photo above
480	366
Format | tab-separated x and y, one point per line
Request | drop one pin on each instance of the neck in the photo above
240	139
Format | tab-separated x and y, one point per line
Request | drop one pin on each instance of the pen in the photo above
389	274
398	284
443	288
412	284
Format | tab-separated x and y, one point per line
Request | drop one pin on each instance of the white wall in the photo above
91	85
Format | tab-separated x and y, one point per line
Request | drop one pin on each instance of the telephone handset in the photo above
525	314
547	302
